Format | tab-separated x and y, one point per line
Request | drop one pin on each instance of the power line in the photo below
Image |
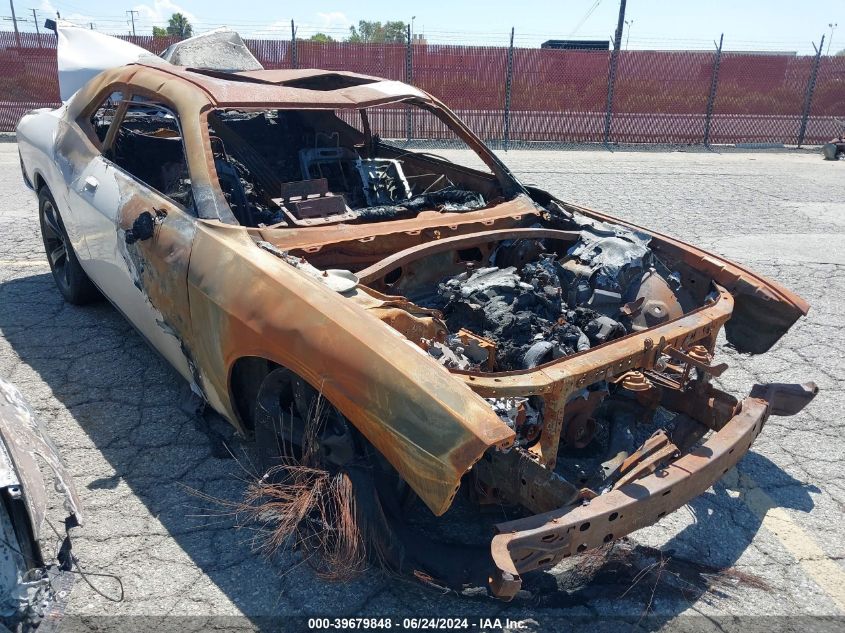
279	29
132	13
586	17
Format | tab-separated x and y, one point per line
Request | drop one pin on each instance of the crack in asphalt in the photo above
112	407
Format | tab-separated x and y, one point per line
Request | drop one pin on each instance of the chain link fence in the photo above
522	95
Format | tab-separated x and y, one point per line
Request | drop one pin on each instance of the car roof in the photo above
301	87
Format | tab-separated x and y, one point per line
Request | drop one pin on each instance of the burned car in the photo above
264	233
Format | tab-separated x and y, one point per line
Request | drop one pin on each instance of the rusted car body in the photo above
228	280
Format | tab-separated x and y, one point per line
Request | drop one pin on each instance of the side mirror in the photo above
142	228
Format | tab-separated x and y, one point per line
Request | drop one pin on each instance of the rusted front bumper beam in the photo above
543	540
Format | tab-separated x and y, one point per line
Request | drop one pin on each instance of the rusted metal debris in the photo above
468	330
835	148
33	585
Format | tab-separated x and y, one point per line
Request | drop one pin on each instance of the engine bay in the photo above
511	301
535	304
516	304
521	303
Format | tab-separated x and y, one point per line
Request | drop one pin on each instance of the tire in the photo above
283	404
71	280
381	497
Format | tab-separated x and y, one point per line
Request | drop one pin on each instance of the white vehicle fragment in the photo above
84	53
32	586
221	49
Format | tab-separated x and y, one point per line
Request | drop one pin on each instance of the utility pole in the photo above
811	88
37	31
409	77
832	26
614	61
15	23
132	13
508	89
714	84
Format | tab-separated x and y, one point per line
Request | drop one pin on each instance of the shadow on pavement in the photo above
126	400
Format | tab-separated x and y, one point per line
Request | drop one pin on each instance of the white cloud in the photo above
48	7
159	12
334	23
334	19
276	27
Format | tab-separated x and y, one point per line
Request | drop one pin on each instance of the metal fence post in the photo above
611	76
409	76
508	87
37	30
808	95
15	23
294	62
711	99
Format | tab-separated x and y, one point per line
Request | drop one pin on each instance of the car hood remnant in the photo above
221	49
30	587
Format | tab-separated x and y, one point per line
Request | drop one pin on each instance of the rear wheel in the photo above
70	279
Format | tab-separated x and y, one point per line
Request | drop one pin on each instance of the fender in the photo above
245	301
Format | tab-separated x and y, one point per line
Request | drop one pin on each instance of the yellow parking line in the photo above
826	573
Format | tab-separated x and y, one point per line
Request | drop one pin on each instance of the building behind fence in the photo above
531	94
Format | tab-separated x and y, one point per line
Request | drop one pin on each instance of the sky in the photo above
783	25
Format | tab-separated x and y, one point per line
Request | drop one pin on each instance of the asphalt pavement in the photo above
148	472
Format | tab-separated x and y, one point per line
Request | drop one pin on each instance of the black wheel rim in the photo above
294	424
55	244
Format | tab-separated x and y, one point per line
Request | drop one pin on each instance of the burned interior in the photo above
307	168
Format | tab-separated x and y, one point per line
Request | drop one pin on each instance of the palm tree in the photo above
178	25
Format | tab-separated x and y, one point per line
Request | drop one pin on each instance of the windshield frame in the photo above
508	183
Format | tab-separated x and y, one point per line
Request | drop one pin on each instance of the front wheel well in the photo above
38	182
244	381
